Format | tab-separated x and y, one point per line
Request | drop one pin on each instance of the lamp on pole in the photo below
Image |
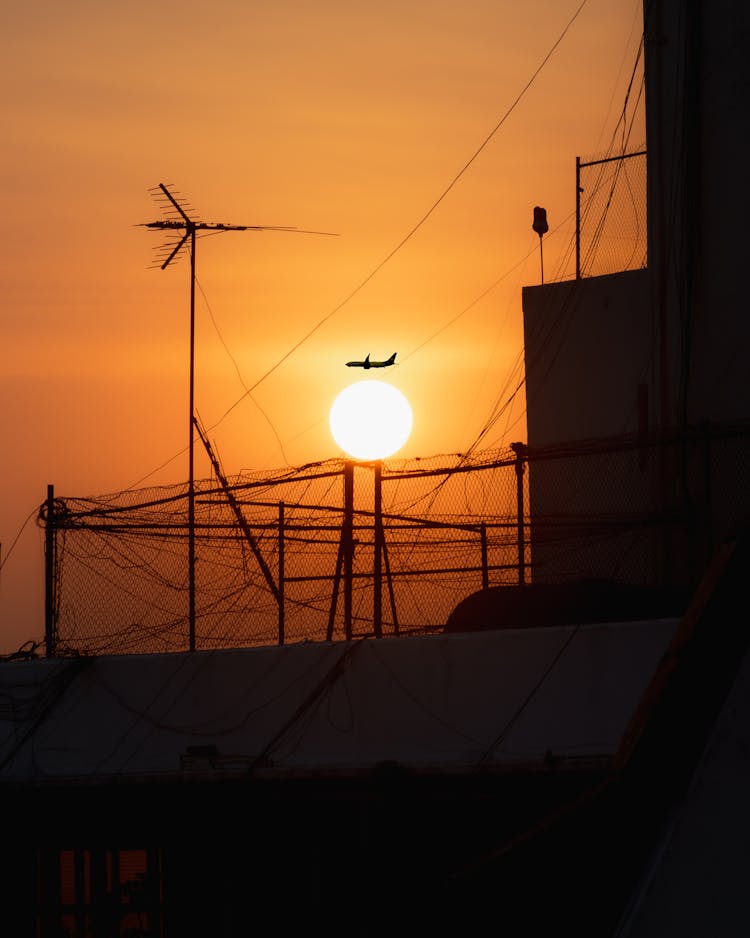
541	227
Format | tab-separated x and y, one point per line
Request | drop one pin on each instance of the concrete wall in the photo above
588	349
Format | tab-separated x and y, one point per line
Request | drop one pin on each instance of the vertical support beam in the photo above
282	535
578	217
541	256
520	450
348	544
337	575
190	228
50	575
377	599
485	564
191	451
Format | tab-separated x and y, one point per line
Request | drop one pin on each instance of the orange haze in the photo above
339	116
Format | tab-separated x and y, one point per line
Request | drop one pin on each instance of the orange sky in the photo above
337	115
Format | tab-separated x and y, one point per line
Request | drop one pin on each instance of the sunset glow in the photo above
371	420
412	132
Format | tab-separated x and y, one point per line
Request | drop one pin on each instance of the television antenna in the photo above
184	229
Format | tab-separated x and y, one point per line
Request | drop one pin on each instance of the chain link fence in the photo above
284	557
342	550
611	219
648	509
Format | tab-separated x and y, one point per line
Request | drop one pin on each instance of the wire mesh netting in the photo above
612	226
341	550
271	554
643	510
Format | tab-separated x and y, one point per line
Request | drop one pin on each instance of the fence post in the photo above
377	599
281	573
485	567
50	576
348	542
345	557
521	454
578	217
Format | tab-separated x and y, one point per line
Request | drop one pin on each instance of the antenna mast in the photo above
178	220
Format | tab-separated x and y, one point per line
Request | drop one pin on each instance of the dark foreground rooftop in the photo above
586	777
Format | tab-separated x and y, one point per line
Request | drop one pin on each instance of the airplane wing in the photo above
386	363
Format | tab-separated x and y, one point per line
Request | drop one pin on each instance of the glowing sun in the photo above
370	420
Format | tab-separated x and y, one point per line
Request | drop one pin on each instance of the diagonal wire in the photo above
410	234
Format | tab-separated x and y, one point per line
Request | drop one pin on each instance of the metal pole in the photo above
191	448
282	535
578	218
50	582
541	227
348	541
520	450
378	565
339	566
485	563
541	256
186	224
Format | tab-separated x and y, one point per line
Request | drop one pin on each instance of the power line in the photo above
4	559
410	234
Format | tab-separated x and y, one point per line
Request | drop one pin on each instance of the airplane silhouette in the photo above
368	364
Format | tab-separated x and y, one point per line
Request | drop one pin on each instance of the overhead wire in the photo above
488	369
420	223
392	253
561	319
556	322
6	557
497	412
513	393
248	391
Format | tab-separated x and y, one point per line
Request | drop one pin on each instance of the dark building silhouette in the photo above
652	361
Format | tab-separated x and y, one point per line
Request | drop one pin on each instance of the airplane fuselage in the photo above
368	364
